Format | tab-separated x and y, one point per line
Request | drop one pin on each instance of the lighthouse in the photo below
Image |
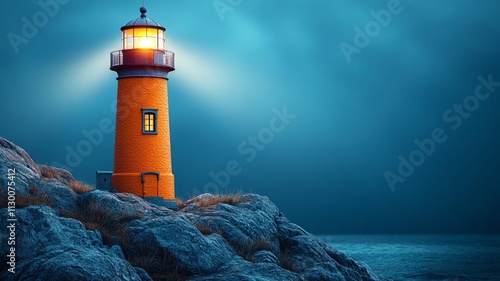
142	156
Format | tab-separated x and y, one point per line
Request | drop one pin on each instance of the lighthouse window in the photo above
149	121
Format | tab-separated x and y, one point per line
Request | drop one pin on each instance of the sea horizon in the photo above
423	257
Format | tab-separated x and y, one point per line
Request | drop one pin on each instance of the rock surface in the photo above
66	232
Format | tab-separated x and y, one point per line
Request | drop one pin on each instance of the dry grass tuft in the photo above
179	203
285	257
286	262
33	196
94	215
204	229
247	250
231	199
80	187
120	235
47	172
208	230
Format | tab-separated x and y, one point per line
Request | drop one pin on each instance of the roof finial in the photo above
143	11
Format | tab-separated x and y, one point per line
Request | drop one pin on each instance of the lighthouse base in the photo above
146	184
171	204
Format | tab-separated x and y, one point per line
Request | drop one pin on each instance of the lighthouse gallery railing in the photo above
144	57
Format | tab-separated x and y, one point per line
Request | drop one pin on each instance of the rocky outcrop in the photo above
51	247
66	232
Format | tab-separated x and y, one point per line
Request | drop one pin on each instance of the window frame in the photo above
154	112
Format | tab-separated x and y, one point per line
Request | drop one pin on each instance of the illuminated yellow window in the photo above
143	38
128	39
149	121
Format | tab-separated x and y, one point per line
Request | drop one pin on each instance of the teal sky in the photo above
239	62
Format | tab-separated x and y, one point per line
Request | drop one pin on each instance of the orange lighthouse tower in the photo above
142	163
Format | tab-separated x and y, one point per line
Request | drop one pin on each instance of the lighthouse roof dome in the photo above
142	21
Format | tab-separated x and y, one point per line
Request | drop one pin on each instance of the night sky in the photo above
352	116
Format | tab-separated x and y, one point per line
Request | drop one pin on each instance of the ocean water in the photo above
424	257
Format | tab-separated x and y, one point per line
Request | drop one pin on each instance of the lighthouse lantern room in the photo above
142	160
143	33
